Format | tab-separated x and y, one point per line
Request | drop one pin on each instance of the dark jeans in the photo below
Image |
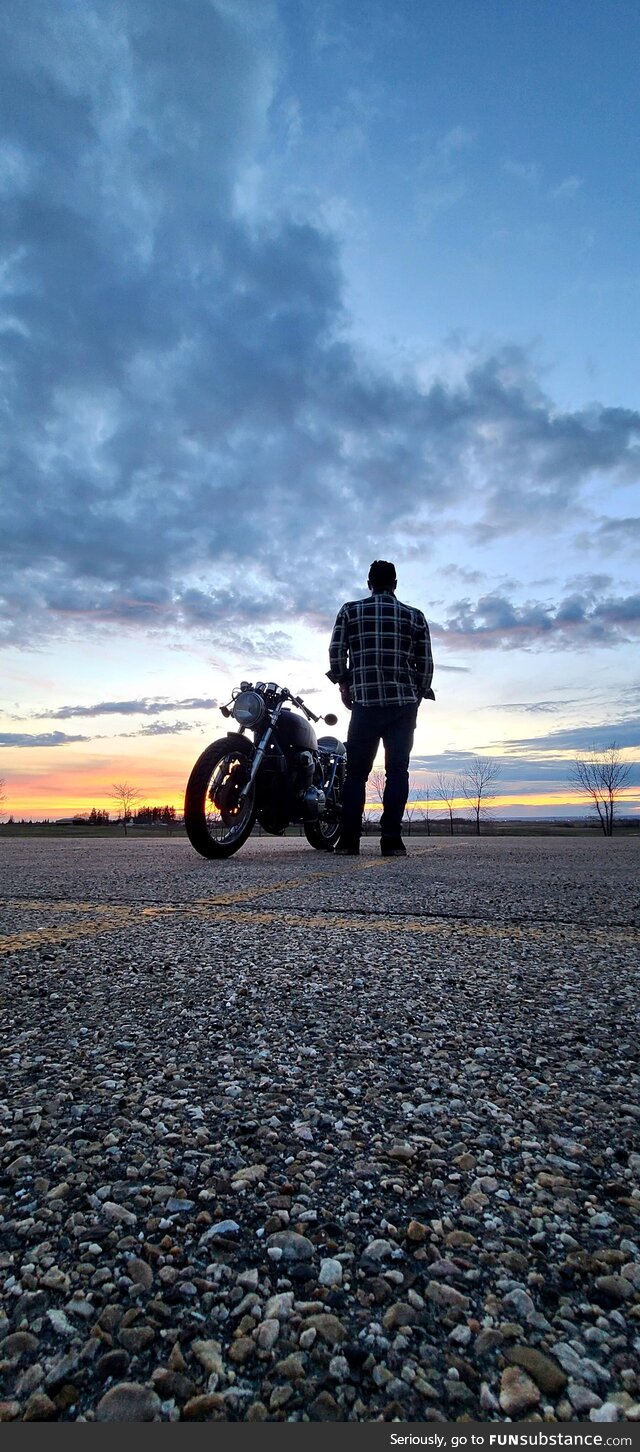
395	726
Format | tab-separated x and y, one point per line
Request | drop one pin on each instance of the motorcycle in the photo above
284	775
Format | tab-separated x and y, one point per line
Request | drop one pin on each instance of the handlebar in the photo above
285	695
298	701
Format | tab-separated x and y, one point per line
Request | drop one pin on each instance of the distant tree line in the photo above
144	816
165	815
600	774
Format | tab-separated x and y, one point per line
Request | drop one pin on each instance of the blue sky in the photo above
287	287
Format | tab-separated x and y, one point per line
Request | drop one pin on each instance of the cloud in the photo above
143	706
442	184
61	738
612	534
164	728
526	772
523	171
534	708
460	572
625	731
42	738
579	621
568	187
537	764
184	405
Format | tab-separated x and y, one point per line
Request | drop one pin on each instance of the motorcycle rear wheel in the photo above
322	834
216	823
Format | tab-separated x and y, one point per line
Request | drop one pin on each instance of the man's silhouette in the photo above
380	657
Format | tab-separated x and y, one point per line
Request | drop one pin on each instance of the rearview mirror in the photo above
331	720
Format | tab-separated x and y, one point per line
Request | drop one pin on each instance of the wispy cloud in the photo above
533	708
164	728
523	171
42	738
625	731
611	535
143	706
568	187
462	573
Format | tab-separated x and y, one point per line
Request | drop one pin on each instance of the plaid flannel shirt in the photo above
381	649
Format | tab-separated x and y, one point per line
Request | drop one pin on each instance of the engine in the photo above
309	792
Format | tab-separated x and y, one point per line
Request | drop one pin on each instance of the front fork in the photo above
259	753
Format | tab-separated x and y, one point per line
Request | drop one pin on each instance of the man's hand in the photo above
345	695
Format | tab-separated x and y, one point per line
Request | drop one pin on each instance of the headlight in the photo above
248	708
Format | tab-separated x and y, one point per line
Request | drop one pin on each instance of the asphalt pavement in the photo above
407	1088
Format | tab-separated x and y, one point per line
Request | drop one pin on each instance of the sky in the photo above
289	286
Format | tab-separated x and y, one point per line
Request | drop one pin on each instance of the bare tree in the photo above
447	789
601	774
377	779
376	786
126	796
422	806
411	803
426	804
479	776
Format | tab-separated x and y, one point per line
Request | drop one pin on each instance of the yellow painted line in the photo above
373	923
228	899
60	933
105	918
225	899
109	917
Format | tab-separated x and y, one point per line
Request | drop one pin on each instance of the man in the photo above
380	657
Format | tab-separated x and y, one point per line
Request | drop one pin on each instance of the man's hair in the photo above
382	576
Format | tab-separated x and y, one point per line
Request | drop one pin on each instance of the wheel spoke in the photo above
226	816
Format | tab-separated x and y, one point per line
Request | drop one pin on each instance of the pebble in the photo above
268	1334
129	1401
519	1304
547	1373
291	1245
222	1230
330	1273
608	1412
518	1393
327	1327
207	1407
582	1398
233	1203
140	1272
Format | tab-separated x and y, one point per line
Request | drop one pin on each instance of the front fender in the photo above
242	742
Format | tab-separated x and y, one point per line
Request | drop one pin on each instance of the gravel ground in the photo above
294	1137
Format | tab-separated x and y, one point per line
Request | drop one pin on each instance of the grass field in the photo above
496	828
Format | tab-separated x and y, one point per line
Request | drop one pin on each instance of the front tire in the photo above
216	823
322	834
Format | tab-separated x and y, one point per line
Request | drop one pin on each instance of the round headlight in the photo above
248	708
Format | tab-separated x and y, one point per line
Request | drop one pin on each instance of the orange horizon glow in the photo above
66	797
38	785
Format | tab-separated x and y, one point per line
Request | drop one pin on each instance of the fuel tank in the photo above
294	732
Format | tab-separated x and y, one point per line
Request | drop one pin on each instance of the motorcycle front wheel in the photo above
322	834
216	821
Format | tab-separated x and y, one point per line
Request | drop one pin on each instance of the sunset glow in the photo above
300	287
